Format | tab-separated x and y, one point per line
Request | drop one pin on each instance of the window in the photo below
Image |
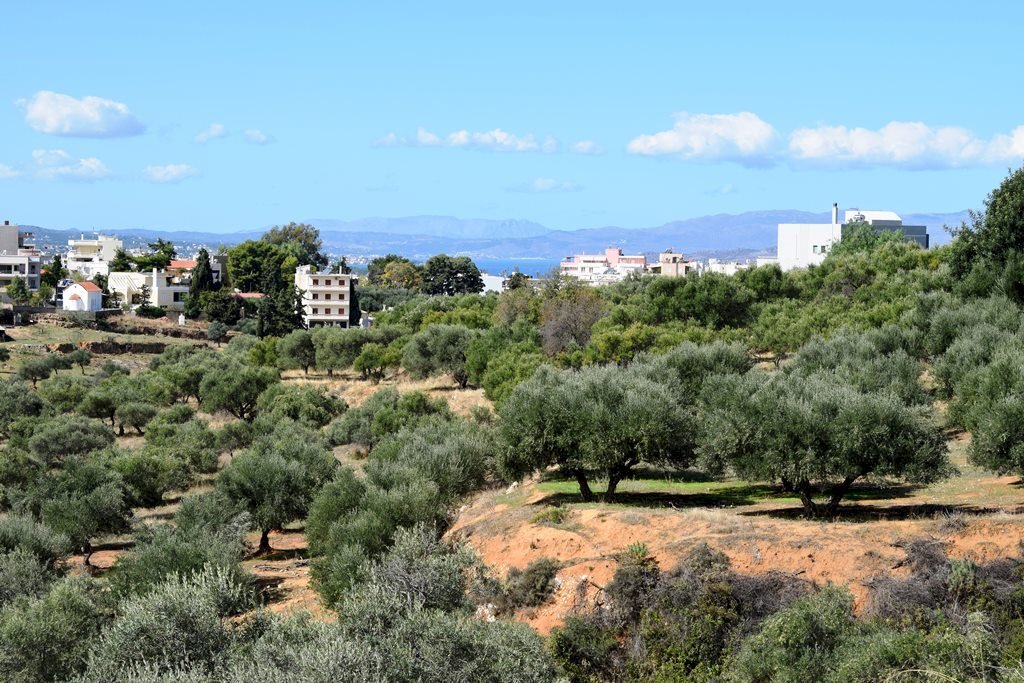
315	296
316	311
814	249
315	281
327	311
327	296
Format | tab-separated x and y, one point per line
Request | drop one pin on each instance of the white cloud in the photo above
56	164
587	147
169	173
741	137
541	185
747	139
496	140
211	132
427	139
256	136
7	172
906	144
89	117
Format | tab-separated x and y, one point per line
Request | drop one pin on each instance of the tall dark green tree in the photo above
122	262
299	240
990	237
443	274
202	281
256	265
55	272
160	256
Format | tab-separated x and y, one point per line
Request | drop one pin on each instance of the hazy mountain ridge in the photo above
419	237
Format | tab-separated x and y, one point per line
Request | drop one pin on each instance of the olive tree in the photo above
17	401
815	436
296	350
235	388
599	420
439	349
273	489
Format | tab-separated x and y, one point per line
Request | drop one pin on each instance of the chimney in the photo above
835	213
7	222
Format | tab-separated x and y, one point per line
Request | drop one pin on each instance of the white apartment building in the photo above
92	256
18	257
725	267
326	297
168	288
805	244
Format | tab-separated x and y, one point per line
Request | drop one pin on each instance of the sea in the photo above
534	267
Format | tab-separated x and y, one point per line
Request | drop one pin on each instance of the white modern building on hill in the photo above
18	257
806	244
326	297
168	288
92	256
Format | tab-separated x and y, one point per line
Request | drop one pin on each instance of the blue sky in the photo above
229	116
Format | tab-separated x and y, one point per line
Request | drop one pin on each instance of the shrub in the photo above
18	532
150	312
59	438
307	404
383	414
584	649
178	623
17	401
22	574
530	586
149	473
166	551
49	638
799	643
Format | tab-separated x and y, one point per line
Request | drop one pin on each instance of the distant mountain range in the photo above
418	237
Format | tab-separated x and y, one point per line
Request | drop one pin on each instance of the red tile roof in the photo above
182	264
89	286
249	295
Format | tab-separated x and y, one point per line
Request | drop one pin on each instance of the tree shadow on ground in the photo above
739	495
727	497
859	512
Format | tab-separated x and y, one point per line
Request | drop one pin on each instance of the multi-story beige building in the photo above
671	264
18	257
326	297
91	257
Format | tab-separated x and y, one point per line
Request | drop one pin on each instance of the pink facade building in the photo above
611	266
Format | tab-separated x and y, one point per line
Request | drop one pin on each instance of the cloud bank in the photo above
741	137
747	139
90	117
496	140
